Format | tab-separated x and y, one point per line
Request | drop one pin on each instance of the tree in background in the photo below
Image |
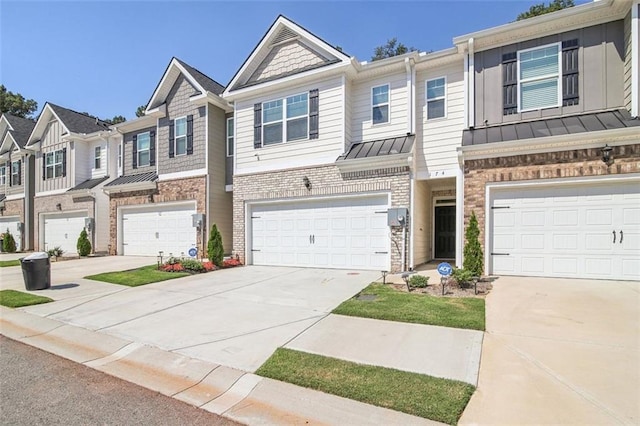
140	111
473	257
215	251
16	104
542	8
83	245
392	48
117	119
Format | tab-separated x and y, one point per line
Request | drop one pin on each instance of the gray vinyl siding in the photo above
127	166
220	201
178	105
51	141
601	63
627	61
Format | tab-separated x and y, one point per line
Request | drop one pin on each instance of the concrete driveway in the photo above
234	317
559	351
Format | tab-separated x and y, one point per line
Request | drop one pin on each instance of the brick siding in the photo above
44	205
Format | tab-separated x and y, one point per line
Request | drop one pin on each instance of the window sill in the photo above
298	141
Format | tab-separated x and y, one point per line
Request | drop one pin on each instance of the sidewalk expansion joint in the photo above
196	384
82	303
581	342
305	330
119	354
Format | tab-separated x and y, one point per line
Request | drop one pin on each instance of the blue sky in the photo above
106	57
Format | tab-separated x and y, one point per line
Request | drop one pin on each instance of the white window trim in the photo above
16	174
543	77
285	119
444	97
175	136
388	103
53	164
3	175
230	119
138	150
97	157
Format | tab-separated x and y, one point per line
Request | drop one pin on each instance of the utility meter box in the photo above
88	223
198	220
397	216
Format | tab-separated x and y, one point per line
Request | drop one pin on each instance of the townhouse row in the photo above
311	158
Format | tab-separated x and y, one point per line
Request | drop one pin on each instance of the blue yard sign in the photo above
444	269
193	252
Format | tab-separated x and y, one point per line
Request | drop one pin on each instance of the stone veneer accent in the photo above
552	165
44	205
14	208
188	189
325	181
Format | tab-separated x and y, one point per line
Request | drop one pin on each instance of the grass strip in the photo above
137	277
393	305
433	398
17	299
7	263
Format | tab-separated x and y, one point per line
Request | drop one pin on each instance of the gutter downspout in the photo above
410	68
635	60
459	209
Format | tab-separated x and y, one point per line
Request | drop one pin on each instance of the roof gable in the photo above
14	130
286	49
201	82
71	121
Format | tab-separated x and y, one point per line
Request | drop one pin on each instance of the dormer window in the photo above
380	104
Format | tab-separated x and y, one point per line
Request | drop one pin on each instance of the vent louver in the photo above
284	35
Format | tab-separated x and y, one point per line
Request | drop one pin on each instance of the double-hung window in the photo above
436	98
15	173
53	164
3	175
181	136
285	119
539	82
230	137
380	104
143	149
97	157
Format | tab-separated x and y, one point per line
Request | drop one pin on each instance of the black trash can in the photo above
36	270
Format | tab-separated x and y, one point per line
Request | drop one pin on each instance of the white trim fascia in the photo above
551	143
129	187
213	99
459	217
412	207
14	197
135	124
157	112
373	163
182	175
48	108
465	88
635	59
343	111
173	64
86	137
52	192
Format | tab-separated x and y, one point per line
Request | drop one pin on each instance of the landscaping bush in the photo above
83	245
192	265
208	266
172	267
8	243
55	252
418	281
473	257
230	263
462	276
215	251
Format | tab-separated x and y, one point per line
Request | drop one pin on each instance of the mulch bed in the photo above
451	289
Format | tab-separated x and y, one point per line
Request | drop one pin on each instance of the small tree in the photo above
473	257
215	251
83	245
542	8
8	243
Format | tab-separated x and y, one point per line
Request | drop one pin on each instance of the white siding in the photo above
362	125
82	159
437	139
348	109
102	171
319	151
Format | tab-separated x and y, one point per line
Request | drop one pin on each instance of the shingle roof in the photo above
22	128
141	177
206	82
77	122
378	148
588	122
89	183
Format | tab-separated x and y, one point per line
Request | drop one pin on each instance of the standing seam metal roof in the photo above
379	147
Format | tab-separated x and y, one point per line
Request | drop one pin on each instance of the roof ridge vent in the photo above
284	34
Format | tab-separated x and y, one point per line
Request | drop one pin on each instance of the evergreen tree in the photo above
83	245
473	257
215	251
8	243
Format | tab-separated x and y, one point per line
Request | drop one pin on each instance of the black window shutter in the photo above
313	113
64	162
44	166
19	181
152	148
189	134
570	92
9	171
171	138
134	146
510	83
257	126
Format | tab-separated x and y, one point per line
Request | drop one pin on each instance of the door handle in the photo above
621	236
313	239
614	237
310	239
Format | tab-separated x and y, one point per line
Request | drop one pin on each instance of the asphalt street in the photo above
38	388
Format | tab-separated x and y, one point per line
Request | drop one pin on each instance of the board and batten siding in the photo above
220	201
363	128
601	85
438	138
51	141
308	152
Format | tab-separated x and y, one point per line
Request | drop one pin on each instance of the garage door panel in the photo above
11	224
63	231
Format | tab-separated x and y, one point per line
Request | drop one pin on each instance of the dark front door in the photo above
445	232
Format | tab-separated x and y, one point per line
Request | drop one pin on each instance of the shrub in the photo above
55	252
192	265
462	276
230	263
8	243
208	266
83	245
418	281
215	251
473	257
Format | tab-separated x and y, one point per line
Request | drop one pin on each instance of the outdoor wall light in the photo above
307	183
59	206
607	158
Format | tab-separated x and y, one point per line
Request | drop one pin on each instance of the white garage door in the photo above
345	233
12	223
579	231
148	230
63	231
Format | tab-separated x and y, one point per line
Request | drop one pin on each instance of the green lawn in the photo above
16	299
135	277
390	304
420	395
5	263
